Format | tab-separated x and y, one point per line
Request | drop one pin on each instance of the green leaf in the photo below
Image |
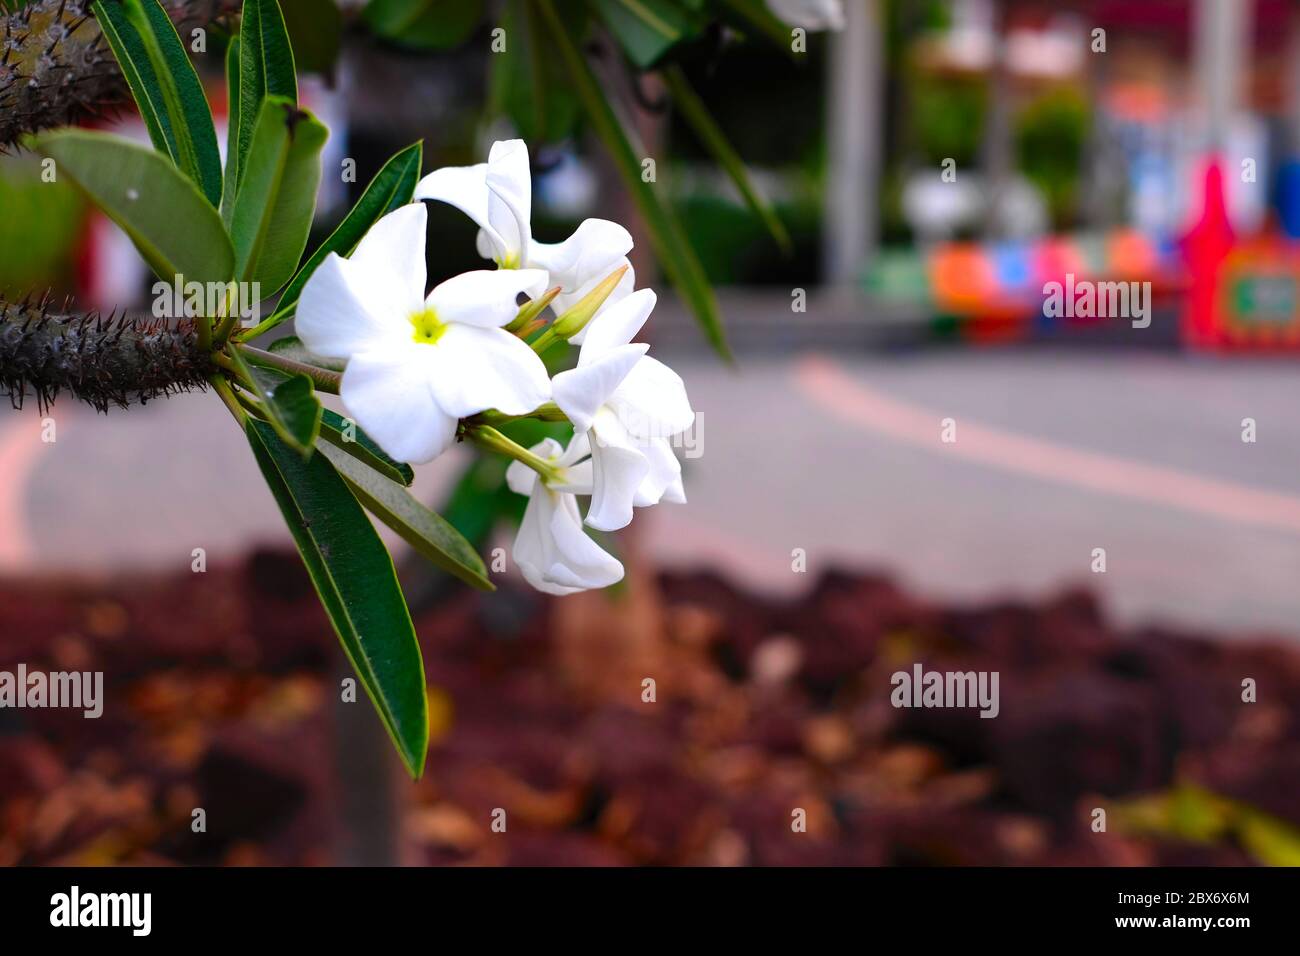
172	224
529	85
423	529
289	401
715	141
315	29
647	29
354	577
133	59
1272	841
391	189
266	68
277	194
758	15
231	180
165	87
424	24
671	245
347	435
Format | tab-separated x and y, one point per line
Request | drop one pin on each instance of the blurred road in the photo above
841	455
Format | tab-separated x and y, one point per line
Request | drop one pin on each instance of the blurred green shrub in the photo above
38	229
1051	134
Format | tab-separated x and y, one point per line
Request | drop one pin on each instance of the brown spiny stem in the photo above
103	360
56	68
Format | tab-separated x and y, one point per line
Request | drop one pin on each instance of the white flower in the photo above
498	195
416	364
552	550
810	14
630	405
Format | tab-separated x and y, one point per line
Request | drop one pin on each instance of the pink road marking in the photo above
20	450
827	384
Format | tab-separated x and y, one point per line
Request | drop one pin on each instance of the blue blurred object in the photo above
1011	265
1288	198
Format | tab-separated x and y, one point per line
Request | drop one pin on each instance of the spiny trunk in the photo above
56	68
100	360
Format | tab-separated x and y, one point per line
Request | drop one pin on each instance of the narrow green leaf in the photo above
758	15
347	435
715	141
424	24
133	59
165	87
289	401
391	189
172	224
647	29
421	528
266	68
189	114
671	245
530	85
277	194
231	179
354	576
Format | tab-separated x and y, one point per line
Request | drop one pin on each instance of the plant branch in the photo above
323	379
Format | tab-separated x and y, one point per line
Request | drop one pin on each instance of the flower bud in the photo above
576	319
530	310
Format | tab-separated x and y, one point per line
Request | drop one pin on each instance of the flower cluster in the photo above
419	365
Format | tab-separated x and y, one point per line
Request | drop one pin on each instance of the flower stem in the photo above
228	396
322	378
266	325
485	436
544	341
229	316
550	412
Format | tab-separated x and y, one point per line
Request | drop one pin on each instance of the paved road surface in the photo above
1055	455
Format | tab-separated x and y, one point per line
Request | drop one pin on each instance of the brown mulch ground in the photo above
221	694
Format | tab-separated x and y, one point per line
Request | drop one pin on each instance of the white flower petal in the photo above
664	480
579	479
394	249
533	548
596	248
651	401
618	468
485	297
520	478
616	325
510	197
810	14
579	448
578	561
552	551
342	312
388	394
466	188
580	392
575	464
474	369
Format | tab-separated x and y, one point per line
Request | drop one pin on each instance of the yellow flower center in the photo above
511	261
428	328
